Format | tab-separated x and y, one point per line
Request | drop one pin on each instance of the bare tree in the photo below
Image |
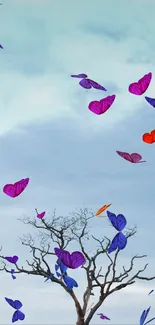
63	231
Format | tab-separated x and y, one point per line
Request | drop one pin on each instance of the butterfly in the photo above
1	46
139	87
103	316
73	261
40	215
133	158
100	107
150	292
149	137
144	316
151	101
12	272
49	277
63	268
70	283
17	188
16	304
12	259
86	82
119	222
103	209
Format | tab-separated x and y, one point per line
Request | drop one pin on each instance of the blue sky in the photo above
48	134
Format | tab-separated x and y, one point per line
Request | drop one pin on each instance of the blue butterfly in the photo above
70	283
12	272
144	316
63	268
150	292
49	277
119	222
16	304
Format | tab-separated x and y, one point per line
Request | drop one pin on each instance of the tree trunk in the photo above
80	321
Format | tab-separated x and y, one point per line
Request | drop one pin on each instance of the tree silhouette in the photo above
62	232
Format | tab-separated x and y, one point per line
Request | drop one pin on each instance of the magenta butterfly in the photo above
133	158
40	215
17	188
100	107
86	82
139	87
73	261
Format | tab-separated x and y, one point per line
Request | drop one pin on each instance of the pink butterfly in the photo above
40	215
139	87
133	158
17	188
100	107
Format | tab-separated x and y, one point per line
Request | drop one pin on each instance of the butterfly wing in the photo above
96	85
70	283
121	241
18	315
10	302
114	244
121	222
41	215
21	185
0	44
150	292
64	256
63	267
85	83
124	155
12	259
136	158
80	75
150	100
77	259
139	88
113	219
142	318
102	209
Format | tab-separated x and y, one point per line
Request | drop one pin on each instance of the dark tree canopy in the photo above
61	232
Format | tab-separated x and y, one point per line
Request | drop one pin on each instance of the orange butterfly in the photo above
103	209
149	137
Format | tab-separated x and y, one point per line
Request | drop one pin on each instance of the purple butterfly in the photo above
86	82
133	158
118	222
12	272
73	261
144	316
151	101
16	304
103	316
119	241
12	259
150	292
1	46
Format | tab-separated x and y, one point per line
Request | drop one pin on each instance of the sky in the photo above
47	133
